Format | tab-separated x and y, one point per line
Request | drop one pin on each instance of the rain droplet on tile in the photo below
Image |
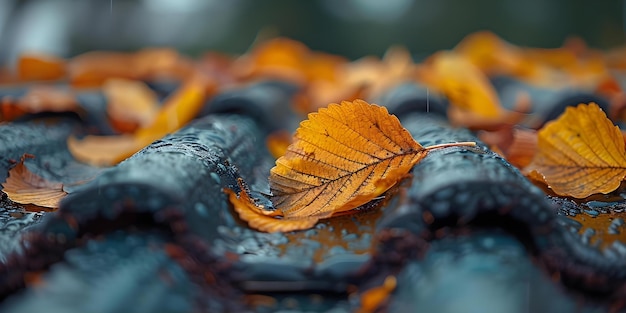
216	178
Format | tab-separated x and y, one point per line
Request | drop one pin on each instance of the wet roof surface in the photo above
465	232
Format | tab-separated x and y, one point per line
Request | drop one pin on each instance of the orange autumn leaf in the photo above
104	150
324	67
279	58
462	82
490	53
178	110
579	154
369	77
278	142
523	147
38	99
342	157
259	218
131	103
37	66
183	106
516	145
378	75
372	299
25	187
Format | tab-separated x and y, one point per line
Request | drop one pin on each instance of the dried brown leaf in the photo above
25	187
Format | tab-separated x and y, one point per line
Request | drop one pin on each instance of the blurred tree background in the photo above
353	28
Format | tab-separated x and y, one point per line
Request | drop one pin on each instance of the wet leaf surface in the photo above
355	145
341	158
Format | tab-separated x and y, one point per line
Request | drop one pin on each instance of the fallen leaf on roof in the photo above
342	157
462	83
516	145
579	154
490	53
372	299
277	142
368	77
38	99
180	108
130	103
38	66
278	58
380	75
25	187
260	218
104	150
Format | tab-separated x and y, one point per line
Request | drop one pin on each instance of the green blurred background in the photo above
353	28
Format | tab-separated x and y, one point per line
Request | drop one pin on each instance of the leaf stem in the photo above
452	144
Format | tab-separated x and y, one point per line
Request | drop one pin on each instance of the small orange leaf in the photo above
179	109
462	83
516	145
523	147
342	157
104	150
38	99
130	102
31	66
24	187
581	153
278	58
277	142
373	298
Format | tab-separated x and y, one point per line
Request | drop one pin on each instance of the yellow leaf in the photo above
130	102
25	187
462	83
179	109
581	153
342	157
277	142
104	150
278	58
372	299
